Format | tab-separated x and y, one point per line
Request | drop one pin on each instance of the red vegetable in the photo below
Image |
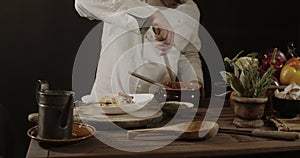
275	58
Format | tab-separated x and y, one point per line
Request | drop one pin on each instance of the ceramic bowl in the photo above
286	107
171	107
179	91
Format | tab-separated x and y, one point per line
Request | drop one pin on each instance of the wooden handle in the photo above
276	134
133	133
144	78
160	130
33	118
166	59
169	70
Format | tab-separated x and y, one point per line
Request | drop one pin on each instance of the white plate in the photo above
140	100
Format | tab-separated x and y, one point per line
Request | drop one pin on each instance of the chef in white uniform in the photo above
130	43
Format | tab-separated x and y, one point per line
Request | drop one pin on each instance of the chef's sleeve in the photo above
116	12
190	65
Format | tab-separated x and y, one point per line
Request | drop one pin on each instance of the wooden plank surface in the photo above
220	145
212	147
91	114
36	150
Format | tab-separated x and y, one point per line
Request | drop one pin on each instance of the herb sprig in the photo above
246	80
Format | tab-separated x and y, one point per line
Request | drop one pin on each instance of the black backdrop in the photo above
39	40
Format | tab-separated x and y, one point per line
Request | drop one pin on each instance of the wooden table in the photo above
222	145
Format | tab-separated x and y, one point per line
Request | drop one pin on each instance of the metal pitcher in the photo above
55	112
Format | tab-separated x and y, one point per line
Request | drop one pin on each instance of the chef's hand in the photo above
164	34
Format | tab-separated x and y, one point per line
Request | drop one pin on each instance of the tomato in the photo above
294	62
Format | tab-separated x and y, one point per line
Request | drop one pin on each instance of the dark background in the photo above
39	40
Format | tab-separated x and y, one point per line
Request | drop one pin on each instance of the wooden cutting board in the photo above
141	118
89	114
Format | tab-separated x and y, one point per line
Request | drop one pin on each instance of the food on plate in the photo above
120	99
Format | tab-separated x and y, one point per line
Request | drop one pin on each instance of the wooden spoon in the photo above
186	130
146	79
166	59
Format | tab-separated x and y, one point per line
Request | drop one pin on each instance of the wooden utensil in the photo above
166	60
261	133
168	67
186	130
144	78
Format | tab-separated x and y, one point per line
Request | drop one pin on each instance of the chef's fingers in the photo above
162	44
170	38
162	28
166	36
161	35
162	48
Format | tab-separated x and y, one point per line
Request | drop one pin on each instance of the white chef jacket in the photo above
123	50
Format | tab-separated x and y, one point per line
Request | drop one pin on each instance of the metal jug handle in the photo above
67	113
41	85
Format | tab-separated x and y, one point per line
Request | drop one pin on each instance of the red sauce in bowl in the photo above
180	86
